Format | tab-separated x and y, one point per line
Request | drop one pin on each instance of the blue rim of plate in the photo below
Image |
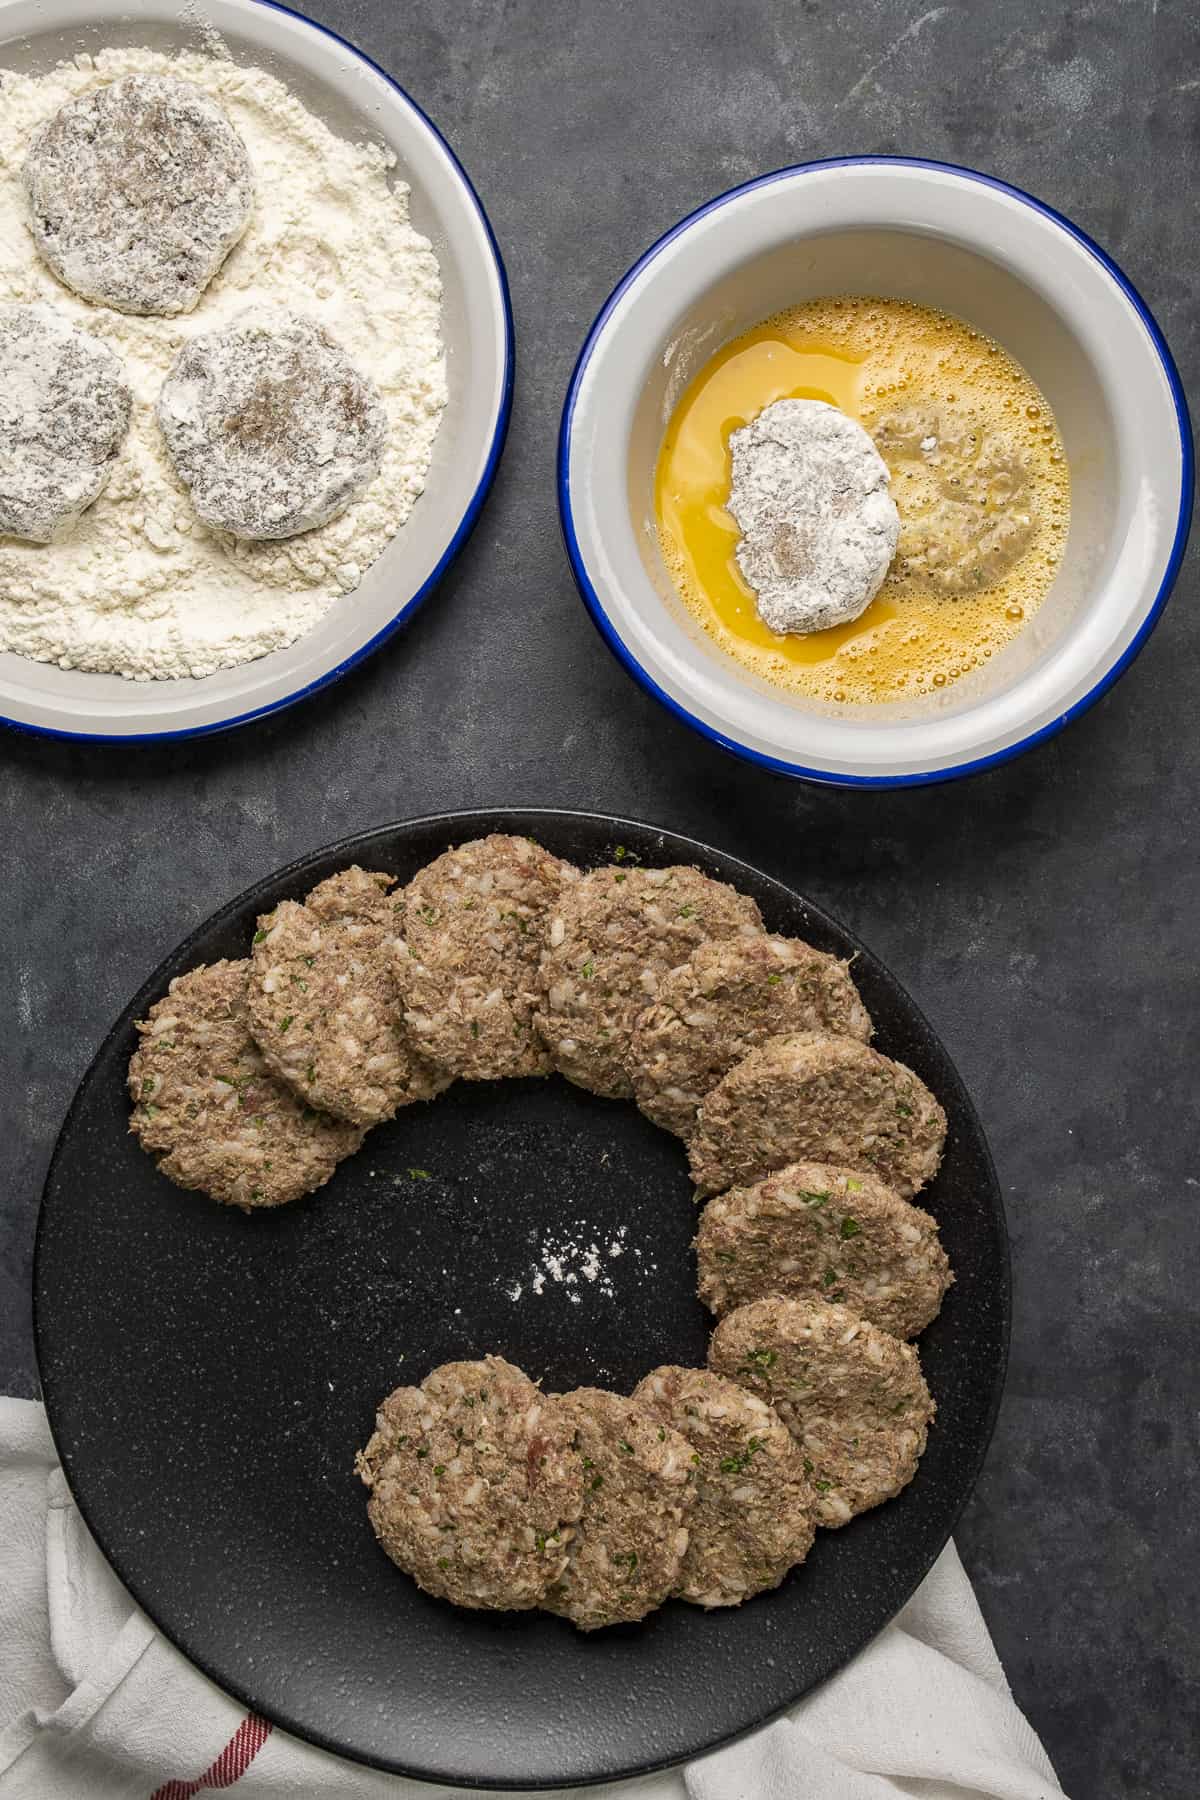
828	777
465	525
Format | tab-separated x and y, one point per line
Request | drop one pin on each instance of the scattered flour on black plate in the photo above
576	1260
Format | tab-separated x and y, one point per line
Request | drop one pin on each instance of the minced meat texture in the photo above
475	1485
610	943
466	964
206	1103
852	1396
813	1098
726	999
813	1229
753	1517
323	1002
137	193
638	1490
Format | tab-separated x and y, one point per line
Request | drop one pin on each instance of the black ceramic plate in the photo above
209	1377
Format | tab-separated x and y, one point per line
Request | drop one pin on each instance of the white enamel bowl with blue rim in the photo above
358	101
947	238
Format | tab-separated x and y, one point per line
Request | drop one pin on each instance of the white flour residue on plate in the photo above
570	1259
140	588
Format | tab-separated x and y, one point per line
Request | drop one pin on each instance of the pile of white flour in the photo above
140	588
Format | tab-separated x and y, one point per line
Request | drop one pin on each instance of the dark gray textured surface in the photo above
1044	915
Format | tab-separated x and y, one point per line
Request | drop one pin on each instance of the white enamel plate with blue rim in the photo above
944	237
358	101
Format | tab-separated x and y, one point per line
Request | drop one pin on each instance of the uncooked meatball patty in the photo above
753	1517
323	1003
475	1485
727	998
821	1099
64	412
813	1229
628	1549
138	192
614	937
466	965
206	1103
852	1396
271	427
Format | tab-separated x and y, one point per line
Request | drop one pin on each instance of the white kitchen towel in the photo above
96	1705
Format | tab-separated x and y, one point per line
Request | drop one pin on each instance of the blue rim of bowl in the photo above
465	525
917	778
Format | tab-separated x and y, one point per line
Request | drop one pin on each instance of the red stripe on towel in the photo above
229	1767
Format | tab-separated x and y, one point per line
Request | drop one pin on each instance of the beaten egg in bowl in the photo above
978	475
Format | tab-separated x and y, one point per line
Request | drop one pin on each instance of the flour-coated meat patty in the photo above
475	1485
852	1396
64	412
815	1098
610	943
812	1229
323	1002
467	961
205	1102
271	427
638	1490
727	998
137	193
753	1517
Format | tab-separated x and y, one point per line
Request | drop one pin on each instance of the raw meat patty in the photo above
753	1517
726	999
852	1396
812	1229
475	1486
323	1004
206	1103
626	1555
466	964
821	1099
616	934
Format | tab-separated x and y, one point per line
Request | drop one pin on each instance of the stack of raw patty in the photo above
253	1079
